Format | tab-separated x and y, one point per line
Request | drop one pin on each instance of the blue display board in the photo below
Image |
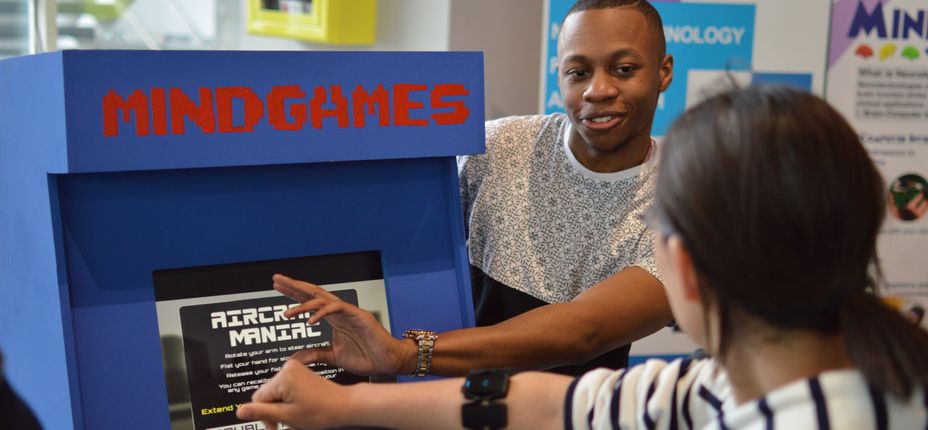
117	164
711	42
717	37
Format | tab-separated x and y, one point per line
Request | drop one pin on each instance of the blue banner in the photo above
712	38
131	110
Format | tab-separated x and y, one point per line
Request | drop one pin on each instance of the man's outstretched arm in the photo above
625	307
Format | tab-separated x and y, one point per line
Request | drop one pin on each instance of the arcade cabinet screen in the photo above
223	333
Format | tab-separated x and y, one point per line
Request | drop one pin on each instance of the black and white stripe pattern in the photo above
767	413
688	394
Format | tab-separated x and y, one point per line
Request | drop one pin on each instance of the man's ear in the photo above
682	264
666	72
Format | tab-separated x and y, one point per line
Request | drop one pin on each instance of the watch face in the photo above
486	385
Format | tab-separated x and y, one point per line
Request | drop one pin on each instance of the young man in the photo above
562	264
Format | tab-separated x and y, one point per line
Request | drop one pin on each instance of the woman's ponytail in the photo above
891	351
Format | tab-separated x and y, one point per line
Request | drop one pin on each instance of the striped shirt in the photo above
694	394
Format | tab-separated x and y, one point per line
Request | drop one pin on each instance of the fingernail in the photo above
242	413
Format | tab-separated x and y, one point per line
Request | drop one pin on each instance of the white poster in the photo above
878	79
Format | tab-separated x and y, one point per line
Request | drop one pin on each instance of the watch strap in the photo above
484	415
425	340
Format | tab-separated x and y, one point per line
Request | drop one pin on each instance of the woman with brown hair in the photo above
765	221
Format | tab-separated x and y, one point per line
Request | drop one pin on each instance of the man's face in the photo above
610	76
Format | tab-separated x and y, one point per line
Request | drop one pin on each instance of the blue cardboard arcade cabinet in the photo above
146	199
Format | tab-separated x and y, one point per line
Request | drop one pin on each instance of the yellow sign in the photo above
323	21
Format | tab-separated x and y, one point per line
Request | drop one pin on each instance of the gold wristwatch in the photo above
426	341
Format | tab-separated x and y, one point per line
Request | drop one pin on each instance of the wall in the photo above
509	33
402	25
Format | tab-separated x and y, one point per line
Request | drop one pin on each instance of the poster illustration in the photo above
878	79
223	332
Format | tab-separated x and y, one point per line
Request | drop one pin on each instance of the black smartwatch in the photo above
483	387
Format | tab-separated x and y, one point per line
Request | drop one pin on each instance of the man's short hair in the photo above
643	6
